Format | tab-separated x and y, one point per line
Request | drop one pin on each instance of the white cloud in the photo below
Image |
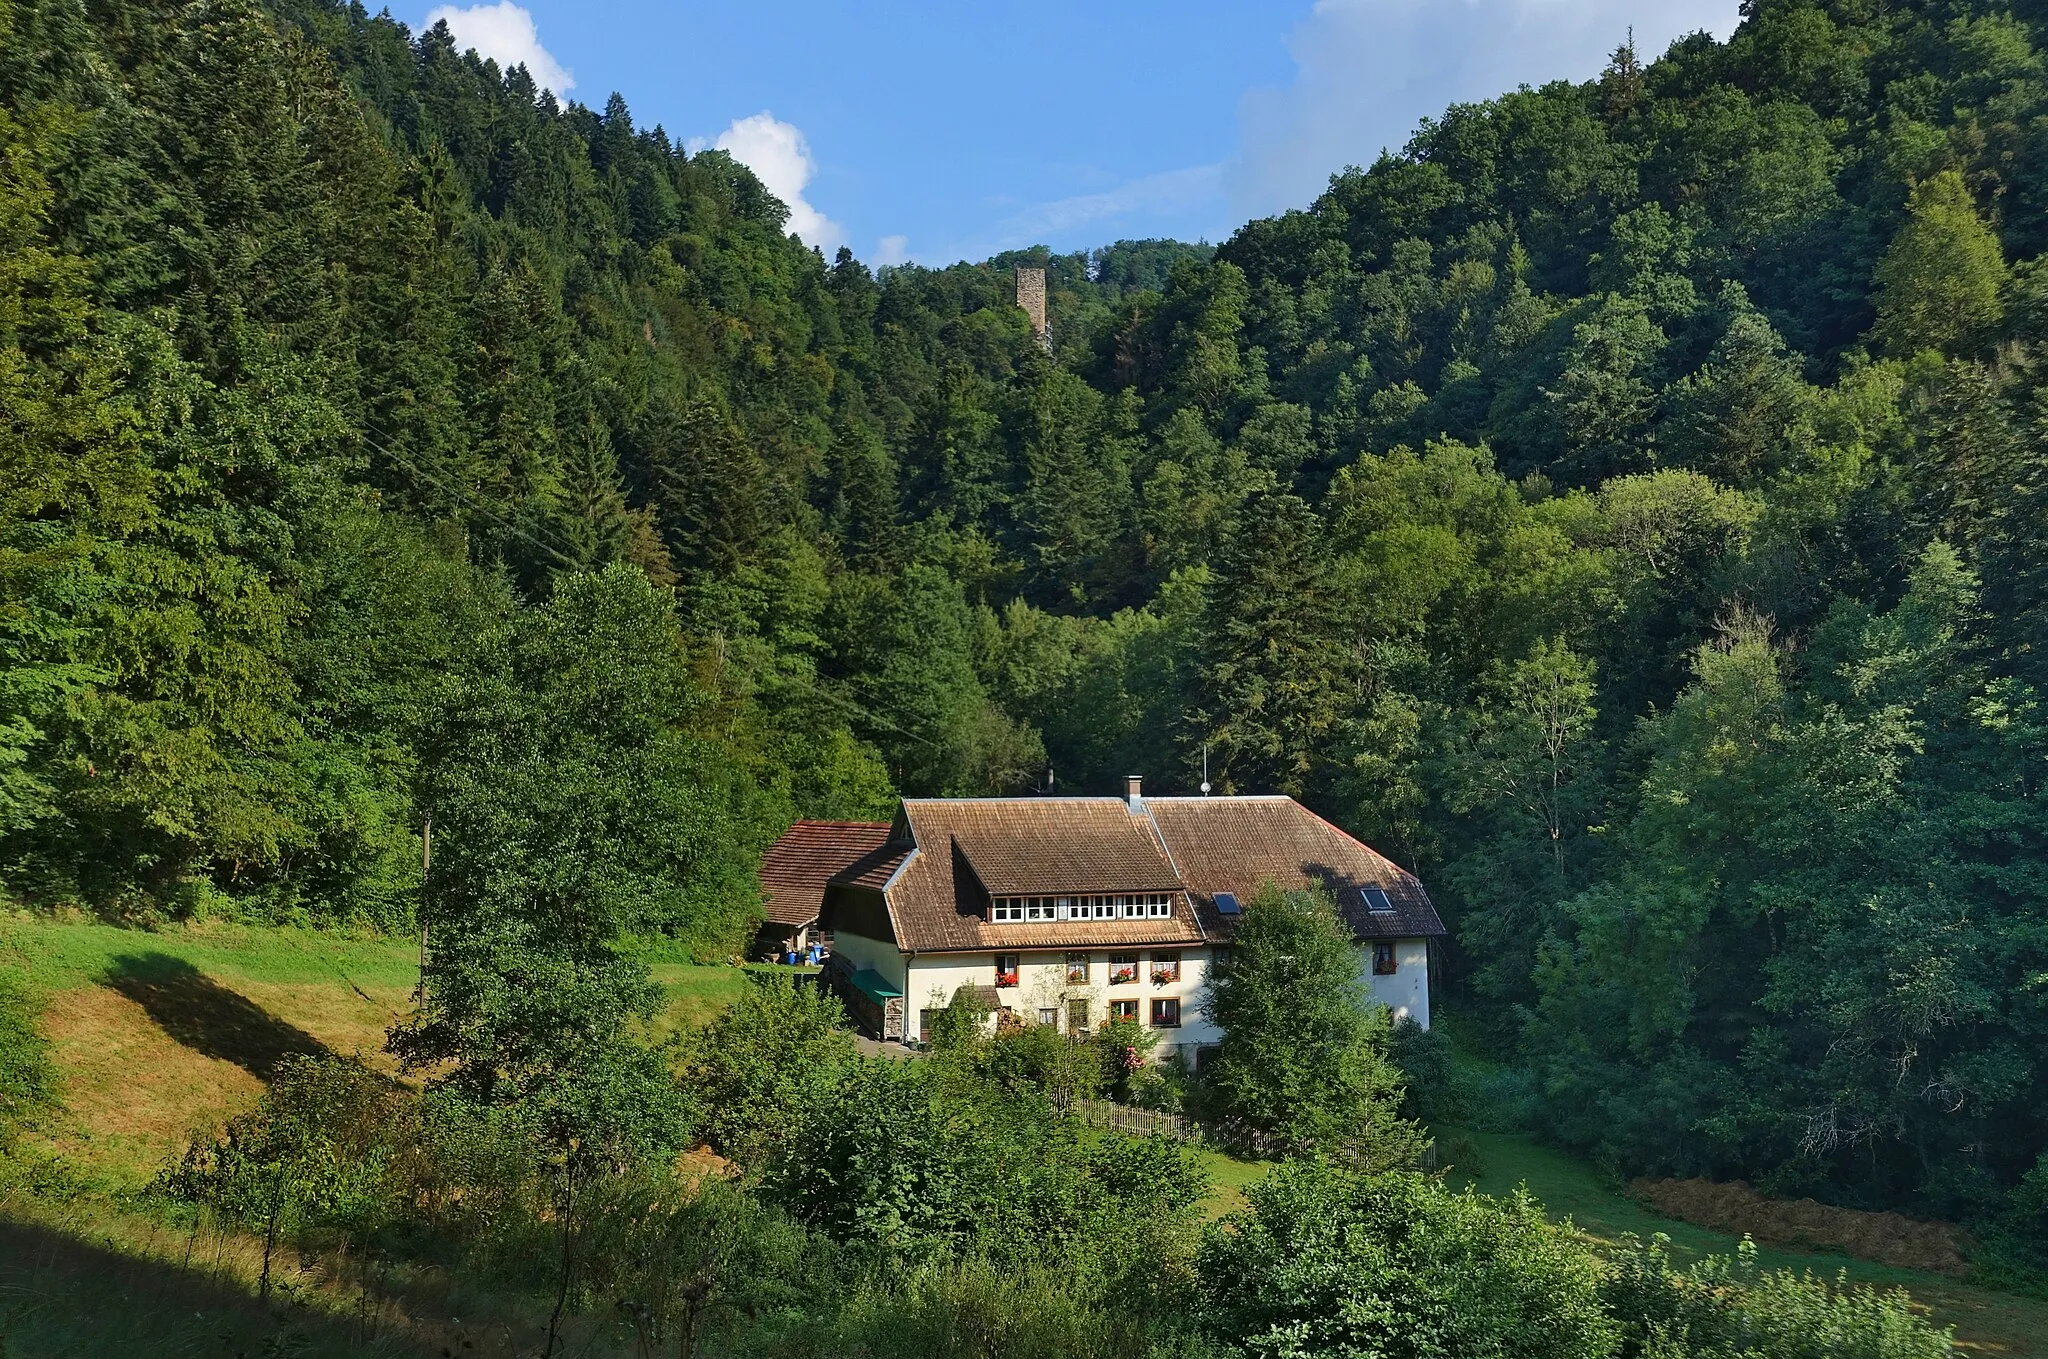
780	157
505	34
892	250
1369	70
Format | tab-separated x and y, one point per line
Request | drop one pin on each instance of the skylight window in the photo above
1226	904
1376	900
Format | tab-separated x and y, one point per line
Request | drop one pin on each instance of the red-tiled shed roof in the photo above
796	867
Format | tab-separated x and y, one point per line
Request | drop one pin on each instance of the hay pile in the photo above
1886	1238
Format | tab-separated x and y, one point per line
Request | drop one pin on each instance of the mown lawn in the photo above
157	1034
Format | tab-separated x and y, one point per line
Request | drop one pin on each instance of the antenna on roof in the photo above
1205	769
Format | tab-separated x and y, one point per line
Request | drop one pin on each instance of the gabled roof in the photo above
971	848
1238	844
935	872
1043	846
809	854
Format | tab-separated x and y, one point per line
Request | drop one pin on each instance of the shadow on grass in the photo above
207	1017
63	1296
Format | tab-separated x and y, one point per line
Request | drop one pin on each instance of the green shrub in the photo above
1040	1057
756	1073
973	1308
694	1261
1433	1092
318	1154
1334	1264
1727	1309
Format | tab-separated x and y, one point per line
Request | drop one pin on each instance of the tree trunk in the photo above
269	1245
568	1214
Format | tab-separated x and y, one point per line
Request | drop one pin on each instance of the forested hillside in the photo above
1625	506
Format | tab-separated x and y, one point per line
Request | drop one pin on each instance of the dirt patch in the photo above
700	1163
1736	1208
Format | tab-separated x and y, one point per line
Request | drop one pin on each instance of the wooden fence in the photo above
1143	1122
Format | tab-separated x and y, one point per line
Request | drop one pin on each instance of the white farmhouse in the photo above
1070	911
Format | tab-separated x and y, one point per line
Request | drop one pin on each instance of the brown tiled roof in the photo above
796	867
1028	846
875	868
967	849
1237	844
1035	846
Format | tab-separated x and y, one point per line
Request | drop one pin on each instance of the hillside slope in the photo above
1623	505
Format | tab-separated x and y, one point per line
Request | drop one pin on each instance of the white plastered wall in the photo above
878	954
1042	985
1406	992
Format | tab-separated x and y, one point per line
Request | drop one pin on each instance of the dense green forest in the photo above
1625	506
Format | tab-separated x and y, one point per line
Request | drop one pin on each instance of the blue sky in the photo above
937	132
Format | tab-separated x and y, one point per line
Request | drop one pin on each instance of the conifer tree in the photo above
1938	284
1272	682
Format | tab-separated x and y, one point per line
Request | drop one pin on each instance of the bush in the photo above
974	1308
1040	1057
1432	1091
756	1073
694	1259
1122	1050
1394	1266
316	1156
1723	1309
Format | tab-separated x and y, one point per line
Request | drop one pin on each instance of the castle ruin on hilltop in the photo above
1031	297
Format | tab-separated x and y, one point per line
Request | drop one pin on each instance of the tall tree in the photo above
1273	665
1303	1066
1938	284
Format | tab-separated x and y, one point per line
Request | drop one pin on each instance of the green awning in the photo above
875	985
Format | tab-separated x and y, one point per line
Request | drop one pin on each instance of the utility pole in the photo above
426	867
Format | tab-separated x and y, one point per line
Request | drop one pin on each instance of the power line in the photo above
821	689
467	501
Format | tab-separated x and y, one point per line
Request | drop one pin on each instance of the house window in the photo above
1049	1016
1383	958
1077	1016
1165	969
1040	908
1123	969
924	1025
1006	969
1166	1012
1124	1009
1159	907
1077	968
1005	910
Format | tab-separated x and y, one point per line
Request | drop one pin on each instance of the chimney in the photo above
1134	785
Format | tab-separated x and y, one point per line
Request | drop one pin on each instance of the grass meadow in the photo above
158	1035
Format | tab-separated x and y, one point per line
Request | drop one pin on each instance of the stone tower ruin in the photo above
1031	297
